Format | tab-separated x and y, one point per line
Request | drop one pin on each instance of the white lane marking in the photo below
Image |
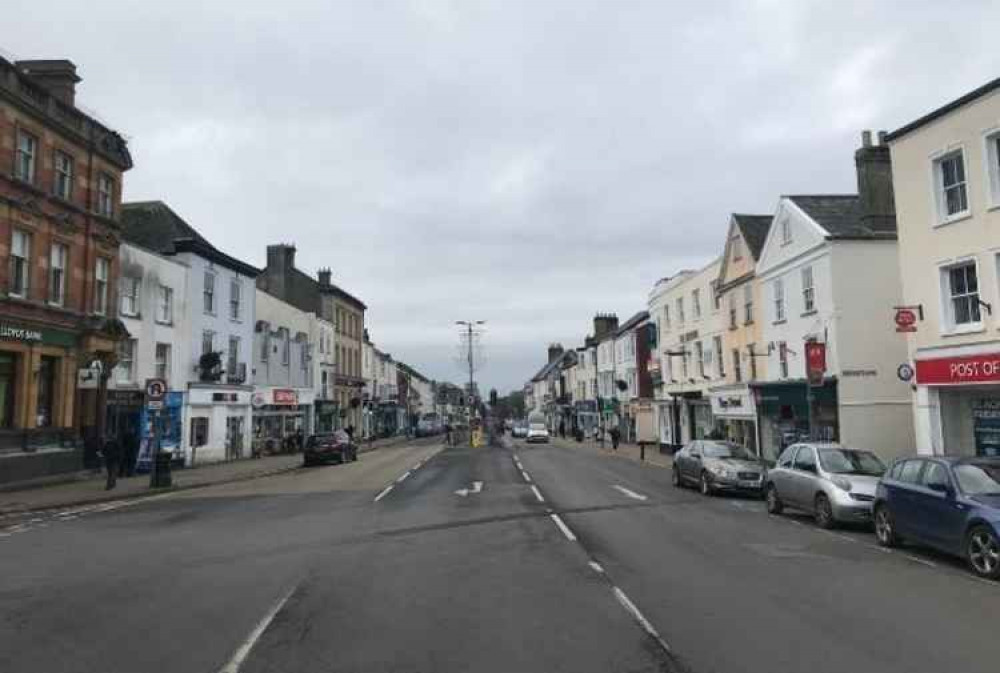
596	566
233	666
639	617
563	527
526	477
384	492
878	548
403	477
537	494
631	494
922	561
477	487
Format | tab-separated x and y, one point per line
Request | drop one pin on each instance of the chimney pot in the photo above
866	138
881	137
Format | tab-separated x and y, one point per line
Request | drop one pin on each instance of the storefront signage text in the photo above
967	369
858	373
19	333
285	396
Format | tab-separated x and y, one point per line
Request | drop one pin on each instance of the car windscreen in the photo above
725	450
978	478
849	461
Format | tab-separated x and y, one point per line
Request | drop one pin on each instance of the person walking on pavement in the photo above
447	434
562	429
112	451
616	435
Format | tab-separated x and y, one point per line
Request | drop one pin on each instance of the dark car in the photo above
333	447
716	466
949	503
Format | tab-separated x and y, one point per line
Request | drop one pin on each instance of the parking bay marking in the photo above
629	493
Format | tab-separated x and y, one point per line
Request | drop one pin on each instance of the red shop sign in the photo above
285	396
815	362
906	320
967	369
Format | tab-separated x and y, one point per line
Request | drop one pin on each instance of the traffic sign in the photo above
156	390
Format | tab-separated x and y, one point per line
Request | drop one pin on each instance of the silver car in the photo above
833	483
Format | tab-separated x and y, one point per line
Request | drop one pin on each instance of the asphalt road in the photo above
506	560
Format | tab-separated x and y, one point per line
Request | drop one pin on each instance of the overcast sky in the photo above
526	163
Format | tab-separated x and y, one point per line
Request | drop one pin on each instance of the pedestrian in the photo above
447	434
350	432
112	451
562	429
616	435
299	440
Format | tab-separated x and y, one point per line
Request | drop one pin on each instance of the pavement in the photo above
651	456
87	488
511	559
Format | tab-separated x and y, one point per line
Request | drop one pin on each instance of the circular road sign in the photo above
904	372
156	389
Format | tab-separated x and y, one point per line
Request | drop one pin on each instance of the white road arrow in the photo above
631	494
477	487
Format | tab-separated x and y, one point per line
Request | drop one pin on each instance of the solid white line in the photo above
403	478
922	561
563	527
537	494
881	549
596	566
241	654
384	492
634	611
631	494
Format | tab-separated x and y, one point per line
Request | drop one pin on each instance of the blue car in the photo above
949	503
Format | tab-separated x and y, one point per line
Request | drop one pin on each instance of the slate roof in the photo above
549	367
987	88
840	215
754	229
632	322
154	226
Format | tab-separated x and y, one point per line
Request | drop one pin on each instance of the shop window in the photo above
199	432
58	255
102	272
20	260
45	400
8	381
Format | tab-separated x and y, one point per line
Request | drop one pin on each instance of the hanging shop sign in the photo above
815	362
906	320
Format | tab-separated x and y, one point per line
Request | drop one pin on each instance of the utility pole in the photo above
470	326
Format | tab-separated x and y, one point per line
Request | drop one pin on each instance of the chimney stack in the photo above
555	352
874	168
57	75
324	277
605	324
280	263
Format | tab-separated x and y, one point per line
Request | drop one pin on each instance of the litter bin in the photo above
160	477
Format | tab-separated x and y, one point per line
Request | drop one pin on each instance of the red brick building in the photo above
60	197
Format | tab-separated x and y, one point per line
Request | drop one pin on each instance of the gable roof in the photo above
154	226
632	322
754	230
989	87
840	216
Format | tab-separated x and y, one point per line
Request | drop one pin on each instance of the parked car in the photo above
950	504
330	447
537	432
834	483
519	430
715	466
429	425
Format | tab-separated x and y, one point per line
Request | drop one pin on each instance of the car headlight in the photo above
722	471
843	483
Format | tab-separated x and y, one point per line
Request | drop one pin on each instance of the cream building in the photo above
946	170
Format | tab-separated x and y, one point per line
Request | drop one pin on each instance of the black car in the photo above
333	447
715	466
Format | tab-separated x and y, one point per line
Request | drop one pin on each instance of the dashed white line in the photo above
384	492
639	617
233	666
537	493
629	493
526	477
596	566
403	477
563	527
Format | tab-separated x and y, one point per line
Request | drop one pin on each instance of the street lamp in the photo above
469	327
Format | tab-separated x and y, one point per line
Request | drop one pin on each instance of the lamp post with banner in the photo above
815	371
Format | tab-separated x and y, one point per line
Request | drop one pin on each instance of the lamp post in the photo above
470	326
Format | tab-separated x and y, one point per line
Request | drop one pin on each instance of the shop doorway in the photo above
46	399
234	437
8	374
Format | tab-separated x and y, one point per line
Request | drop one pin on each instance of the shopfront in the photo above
586	417
280	414
217	422
793	411
958	404
735	415
327	414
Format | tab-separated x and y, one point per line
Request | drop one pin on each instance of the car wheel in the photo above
774	504
676	478
885	527
982	550
824	512
705	486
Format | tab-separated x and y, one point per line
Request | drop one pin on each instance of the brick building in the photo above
60	194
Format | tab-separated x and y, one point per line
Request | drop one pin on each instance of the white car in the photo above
537	432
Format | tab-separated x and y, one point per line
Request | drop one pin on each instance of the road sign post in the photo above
156	390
